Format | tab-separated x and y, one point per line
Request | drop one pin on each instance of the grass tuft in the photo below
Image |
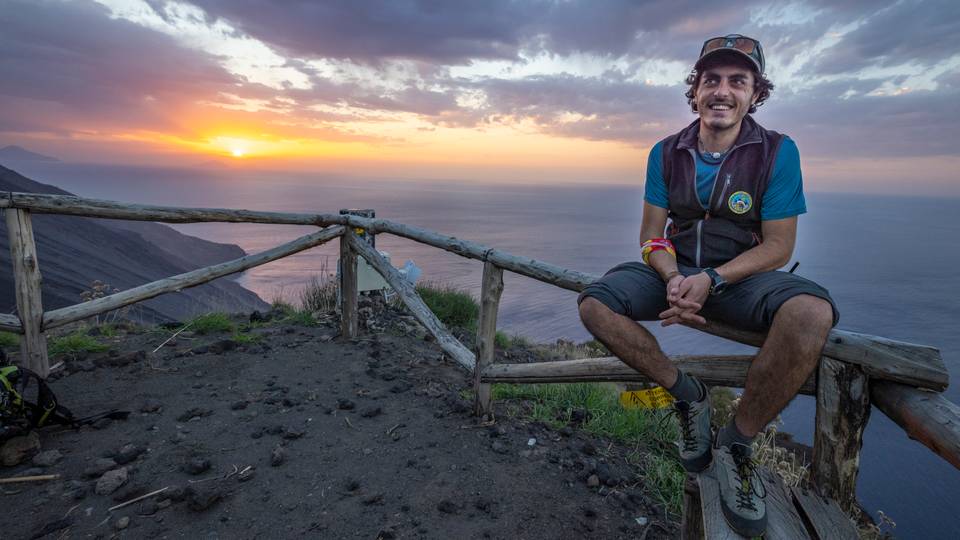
212	323
453	306
75	344
651	431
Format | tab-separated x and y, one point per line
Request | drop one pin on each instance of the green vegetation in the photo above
75	344
246	338
8	339
453	306
504	341
302	318
211	323
652	433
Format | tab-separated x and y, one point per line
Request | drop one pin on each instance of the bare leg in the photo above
630	342
788	356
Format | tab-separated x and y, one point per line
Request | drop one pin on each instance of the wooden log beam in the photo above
408	294
927	417
490	291
843	408
348	286
10	323
77	312
539	270
79	206
712	370
916	365
26	278
691	522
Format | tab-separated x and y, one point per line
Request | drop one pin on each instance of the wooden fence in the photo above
903	380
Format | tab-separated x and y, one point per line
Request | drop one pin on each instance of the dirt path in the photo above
307	435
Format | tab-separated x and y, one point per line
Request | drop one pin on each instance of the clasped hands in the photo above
686	295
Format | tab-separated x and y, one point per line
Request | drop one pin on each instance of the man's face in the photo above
724	96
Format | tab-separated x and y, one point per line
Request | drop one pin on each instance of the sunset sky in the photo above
533	90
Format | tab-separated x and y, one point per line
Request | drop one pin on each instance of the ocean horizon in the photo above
885	259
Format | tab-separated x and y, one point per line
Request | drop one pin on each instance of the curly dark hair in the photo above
762	86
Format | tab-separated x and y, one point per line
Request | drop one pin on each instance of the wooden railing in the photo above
903	380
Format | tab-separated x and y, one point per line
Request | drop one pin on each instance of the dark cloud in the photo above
371	31
908	31
73	58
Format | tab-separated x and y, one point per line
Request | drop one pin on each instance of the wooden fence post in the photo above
843	408
348	286
486	335
26	275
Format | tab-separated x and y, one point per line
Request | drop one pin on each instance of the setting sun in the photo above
237	152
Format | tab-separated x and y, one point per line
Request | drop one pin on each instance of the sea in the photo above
892	263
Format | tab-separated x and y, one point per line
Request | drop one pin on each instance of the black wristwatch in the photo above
717	283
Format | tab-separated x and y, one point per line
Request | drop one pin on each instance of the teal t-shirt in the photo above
783	198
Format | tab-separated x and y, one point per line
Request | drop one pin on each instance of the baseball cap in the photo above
733	43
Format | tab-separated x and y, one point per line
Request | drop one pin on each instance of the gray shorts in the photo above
637	291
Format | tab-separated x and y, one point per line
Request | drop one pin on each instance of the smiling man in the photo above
732	192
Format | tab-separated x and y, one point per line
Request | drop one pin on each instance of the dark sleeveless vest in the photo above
730	224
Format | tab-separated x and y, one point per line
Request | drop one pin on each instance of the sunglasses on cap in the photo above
747	46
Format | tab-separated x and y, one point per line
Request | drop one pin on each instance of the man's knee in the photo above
808	312
592	309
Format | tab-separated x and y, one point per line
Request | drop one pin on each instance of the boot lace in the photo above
748	475
686	415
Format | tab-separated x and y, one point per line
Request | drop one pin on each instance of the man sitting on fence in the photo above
732	191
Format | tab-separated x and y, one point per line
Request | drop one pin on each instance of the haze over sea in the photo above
890	262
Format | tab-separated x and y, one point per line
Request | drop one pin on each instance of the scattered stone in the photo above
99	467
202	496
277	456
345	404
401	387
275	430
222	346
496	431
372	412
149	507
579	416
291	433
151	405
75	490
593	481
122	523
196	412
531	441
376	498
81	365
589	449
197	465
111	481
238	405
48	458
499	447
128	453
17	449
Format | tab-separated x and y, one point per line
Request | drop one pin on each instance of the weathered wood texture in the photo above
783	522
539	270
882	358
26	276
927	417
712	370
79	206
824	516
348	286
490	291
691	522
408	294
10	323
843	408
62	316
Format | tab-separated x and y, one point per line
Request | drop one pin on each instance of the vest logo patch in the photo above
740	202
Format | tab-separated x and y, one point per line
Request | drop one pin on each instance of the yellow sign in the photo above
653	398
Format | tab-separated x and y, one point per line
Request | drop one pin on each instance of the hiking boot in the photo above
695	439
741	490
